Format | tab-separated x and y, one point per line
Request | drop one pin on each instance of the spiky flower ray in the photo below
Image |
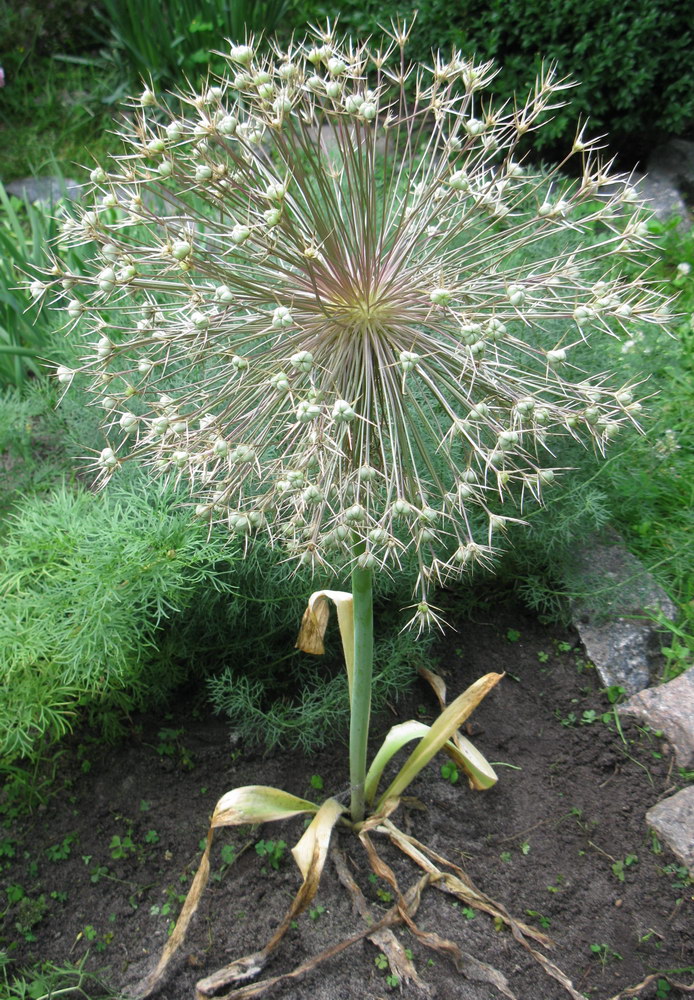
341	317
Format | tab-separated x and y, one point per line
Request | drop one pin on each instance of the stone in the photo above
615	596
670	708
47	190
675	159
673	821
663	196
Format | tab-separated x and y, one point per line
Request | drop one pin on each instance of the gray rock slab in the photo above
675	159
615	595
622	652
673	821
669	707
663	195
46	190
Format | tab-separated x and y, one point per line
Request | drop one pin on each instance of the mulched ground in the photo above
561	841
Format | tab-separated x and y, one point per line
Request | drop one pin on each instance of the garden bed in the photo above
561	841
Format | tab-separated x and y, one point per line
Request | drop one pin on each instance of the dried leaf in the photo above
315	622
258	804
480	773
309	854
441	731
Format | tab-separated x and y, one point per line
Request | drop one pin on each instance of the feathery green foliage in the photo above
87	585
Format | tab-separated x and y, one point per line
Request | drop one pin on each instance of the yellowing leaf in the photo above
439	734
315	622
479	771
396	739
311	850
258	804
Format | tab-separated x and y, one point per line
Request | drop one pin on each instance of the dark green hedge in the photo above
632	58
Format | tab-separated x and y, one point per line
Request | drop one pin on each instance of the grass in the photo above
53	116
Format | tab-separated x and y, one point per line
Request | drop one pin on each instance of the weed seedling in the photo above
557	886
272	850
121	847
513	635
542	656
605	954
61	851
449	772
380	961
541	919
618	868
316	911
317	782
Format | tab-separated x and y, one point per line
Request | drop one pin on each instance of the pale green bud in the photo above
343	412
239	234
459	181
556	357
409	360
280	382
243	454
107	459
302	361
440	296
129	423
272	216
355	514
241	54
227	125
305	412
282	318
107	279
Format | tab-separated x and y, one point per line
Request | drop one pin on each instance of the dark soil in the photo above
561	840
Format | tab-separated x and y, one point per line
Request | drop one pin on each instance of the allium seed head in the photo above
375	344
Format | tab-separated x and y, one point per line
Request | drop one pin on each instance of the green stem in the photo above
362	596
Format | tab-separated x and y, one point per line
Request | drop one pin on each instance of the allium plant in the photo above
349	314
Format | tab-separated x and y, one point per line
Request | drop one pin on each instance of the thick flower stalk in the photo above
331	295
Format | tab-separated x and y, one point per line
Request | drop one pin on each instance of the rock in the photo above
45	189
621	651
673	821
669	707
675	160
663	197
668	184
615	594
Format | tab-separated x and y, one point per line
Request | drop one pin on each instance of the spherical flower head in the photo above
358	356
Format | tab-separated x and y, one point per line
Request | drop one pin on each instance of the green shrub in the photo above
108	603
632	58
88	585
